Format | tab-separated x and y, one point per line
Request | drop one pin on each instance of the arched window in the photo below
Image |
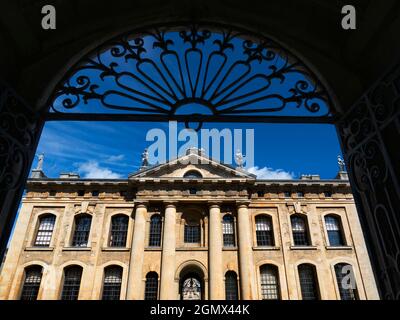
308	282
346	281
33	277
82	230
228	231
112	283
334	229
151	288
192	174
72	283
119	230
155	231
264	232
300	230
231	286
192	231
45	230
269	276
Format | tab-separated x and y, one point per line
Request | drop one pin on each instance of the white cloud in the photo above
92	170
119	157
270	174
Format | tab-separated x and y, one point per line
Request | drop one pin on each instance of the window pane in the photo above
33	277
82	229
333	228
45	231
112	283
308	282
231	286
151	289
347	292
72	283
192	234
228	231
264	232
269	283
119	229
155	231
299	229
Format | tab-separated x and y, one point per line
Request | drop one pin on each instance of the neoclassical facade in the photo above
192	228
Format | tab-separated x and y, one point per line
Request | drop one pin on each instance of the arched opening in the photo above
360	168
191	283
192	174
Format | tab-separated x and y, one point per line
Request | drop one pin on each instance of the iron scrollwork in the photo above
155	72
20	128
369	135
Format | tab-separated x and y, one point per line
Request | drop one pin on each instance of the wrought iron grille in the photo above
72	283
119	230
345	293
308	282
333	227
112	283
151	288
269	282
228	231
82	230
33	277
45	230
300	231
231	286
155	231
264	232
191	289
218	73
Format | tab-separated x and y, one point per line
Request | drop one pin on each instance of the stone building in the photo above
192	228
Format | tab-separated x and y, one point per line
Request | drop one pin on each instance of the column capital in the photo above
141	204
170	204
214	204
242	204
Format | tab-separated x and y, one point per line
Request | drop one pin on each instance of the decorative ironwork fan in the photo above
191	73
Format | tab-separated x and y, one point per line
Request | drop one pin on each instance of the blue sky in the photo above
113	149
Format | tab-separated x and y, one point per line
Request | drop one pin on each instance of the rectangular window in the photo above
192	234
82	230
308	282
269	283
264	232
33	277
45	231
112	283
72	283
151	288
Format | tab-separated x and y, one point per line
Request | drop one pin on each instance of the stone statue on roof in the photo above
341	164
239	158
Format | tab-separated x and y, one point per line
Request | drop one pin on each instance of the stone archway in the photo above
191	283
367	128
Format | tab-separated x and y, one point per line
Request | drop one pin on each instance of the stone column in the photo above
135	277
246	263
167	285
216	282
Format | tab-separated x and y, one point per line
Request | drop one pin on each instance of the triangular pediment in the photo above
195	163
